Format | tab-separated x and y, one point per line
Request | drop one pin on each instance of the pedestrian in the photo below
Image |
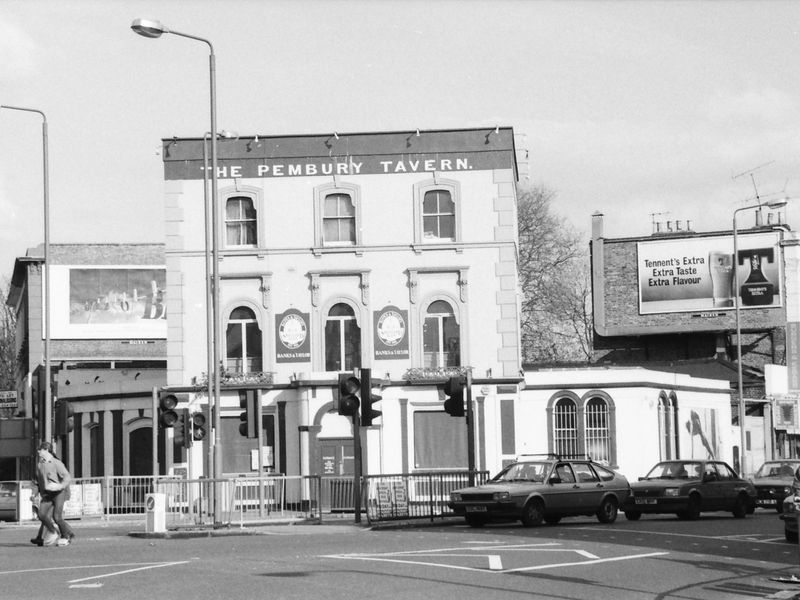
53	479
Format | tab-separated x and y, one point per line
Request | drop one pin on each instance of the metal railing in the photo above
413	495
248	499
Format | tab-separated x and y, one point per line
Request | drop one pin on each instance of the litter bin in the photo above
155	511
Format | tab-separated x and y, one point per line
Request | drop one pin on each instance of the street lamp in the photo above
736	301
48	408
152	29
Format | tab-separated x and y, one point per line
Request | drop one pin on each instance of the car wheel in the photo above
474	521
791	536
532	514
740	508
692	512
633	515
552	519
779	508
607	513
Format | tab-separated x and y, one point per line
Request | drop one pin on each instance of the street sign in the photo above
8	399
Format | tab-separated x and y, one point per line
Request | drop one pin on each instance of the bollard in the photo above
155	506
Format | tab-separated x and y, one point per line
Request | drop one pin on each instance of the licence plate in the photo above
476	509
646	500
770	501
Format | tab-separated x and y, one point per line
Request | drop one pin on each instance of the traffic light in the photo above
183	428
249	417
168	407
198	426
345	396
368	399
65	421
454	391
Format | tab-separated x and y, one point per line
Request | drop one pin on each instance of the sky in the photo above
644	111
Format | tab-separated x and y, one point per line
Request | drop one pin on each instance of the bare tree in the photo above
8	355
555	282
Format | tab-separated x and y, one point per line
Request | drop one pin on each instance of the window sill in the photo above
421	247
320	250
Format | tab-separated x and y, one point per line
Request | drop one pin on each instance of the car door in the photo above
563	491
713	488
590	489
731	485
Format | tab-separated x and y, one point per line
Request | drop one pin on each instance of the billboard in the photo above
700	274
108	302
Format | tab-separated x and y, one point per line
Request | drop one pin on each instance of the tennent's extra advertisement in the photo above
690	275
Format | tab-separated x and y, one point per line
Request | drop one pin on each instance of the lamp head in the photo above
778	203
148	28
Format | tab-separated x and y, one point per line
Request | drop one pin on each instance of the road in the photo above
715	558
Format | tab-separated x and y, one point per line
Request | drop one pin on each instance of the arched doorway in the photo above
140	451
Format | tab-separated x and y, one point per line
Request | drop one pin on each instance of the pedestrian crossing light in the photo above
454	392
198	426
249	416
183	428
368	399
345	396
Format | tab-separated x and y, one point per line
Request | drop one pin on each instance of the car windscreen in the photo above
777	469
676	470
524	471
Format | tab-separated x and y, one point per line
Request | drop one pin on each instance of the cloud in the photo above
768	105
19	52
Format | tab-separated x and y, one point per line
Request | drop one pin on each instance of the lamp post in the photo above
152	29
736	304
48	408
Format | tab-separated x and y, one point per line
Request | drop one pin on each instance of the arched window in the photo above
597	437
565	428
439	215
441	338
243	342
342	339
339	220
240	222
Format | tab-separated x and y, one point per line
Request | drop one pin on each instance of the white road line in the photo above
585	562
86	585
152	566
73	567
751	537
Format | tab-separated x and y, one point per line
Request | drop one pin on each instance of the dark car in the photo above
8	500
689	487
533	491
773	482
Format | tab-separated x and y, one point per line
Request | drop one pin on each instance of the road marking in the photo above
86	585
73	567
747	537
586	562
150	566
495	562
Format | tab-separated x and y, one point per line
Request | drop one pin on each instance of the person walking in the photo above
53	479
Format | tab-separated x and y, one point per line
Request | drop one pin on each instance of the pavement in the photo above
137	527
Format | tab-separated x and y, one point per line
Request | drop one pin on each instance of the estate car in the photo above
533	491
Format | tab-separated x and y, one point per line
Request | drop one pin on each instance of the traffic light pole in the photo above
155	433
357	466
260	442
470	430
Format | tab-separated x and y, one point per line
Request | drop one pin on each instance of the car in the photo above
689	487
8	500
773	482
789	514
547	489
